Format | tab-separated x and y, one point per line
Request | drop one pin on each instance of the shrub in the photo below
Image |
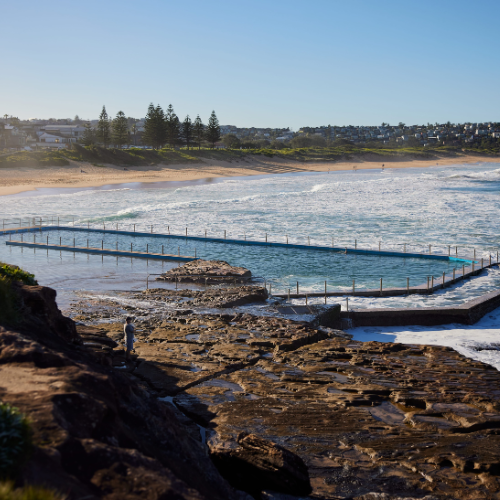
14	273
9	310
8	492
15	439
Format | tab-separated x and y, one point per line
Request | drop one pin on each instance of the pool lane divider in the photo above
346	250
102	251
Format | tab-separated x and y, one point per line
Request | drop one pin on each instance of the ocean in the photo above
454	206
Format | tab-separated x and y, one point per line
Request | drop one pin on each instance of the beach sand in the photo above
17	180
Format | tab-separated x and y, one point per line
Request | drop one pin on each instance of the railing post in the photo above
380	286
178	251
186	231
266	237
224	234
454	274
355	244
456	251
482	263
286	239
297	287
449	250
379	243
147	247
151	228
430	249
404	249
309	240
463	270
443	278
432	282
102	244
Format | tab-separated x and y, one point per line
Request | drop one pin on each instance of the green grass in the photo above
9	492
131	157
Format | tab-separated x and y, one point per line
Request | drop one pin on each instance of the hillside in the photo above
166	156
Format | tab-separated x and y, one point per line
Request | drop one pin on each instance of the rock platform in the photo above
370	420
212	404
206	271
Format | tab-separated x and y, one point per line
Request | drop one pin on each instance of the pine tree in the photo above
154	127
187	130
199	130
173	126
120	129
88	138
103	128
213	130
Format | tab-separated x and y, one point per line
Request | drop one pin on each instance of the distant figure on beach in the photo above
128	329
82	171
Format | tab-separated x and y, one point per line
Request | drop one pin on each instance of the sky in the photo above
264	63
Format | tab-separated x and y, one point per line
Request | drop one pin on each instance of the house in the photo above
55	139
75	131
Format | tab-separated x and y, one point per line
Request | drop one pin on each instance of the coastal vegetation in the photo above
134	156
9	301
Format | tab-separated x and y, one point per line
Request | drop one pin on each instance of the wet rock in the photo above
206	271
259	464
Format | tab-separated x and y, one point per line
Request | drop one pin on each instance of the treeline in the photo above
161	128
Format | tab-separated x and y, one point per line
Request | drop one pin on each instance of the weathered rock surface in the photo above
219	298
206	271
369	420
98	433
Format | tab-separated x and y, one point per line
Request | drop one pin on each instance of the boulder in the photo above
259	464
206	271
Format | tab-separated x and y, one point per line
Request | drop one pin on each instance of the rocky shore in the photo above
232	405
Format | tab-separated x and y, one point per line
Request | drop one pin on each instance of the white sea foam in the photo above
439	206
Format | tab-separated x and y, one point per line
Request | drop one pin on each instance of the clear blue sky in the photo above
257	63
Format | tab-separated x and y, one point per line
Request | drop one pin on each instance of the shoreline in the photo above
80	175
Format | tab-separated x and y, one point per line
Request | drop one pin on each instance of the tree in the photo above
187	130
199	131
103	128
120	129
154	127
88	138
212	133
231	141
173	126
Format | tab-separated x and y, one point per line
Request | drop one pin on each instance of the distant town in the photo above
57	133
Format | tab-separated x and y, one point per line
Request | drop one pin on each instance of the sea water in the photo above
454	206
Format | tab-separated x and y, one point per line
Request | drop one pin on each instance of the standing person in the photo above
129	330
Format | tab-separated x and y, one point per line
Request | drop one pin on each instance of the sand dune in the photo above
81	174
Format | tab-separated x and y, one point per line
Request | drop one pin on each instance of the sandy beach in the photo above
82	175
